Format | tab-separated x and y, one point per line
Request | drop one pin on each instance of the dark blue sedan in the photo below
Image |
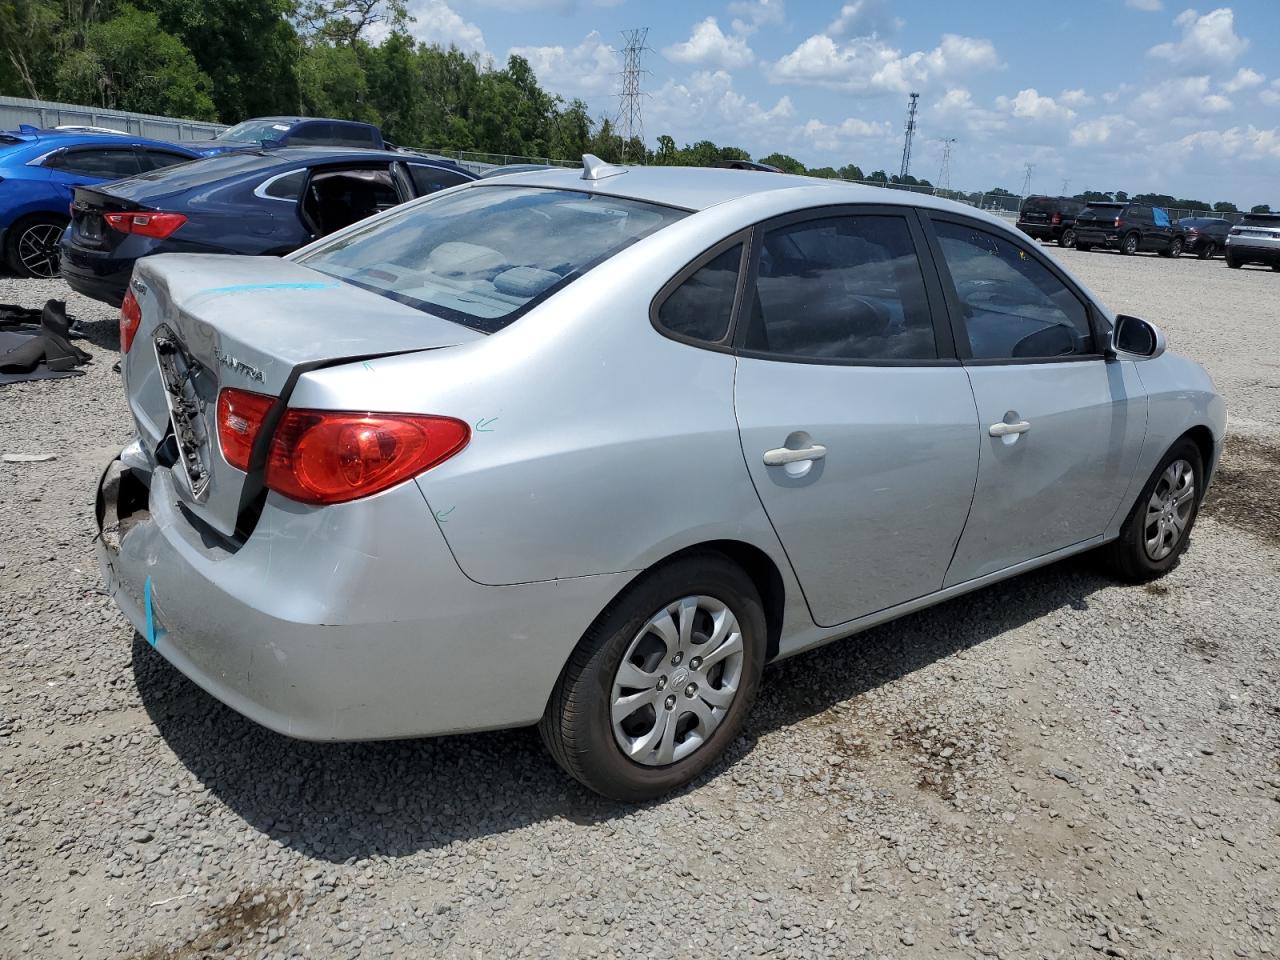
38	171
292	132
267	202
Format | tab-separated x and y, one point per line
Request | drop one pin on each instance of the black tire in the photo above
1127	557
31	245
1276	267
1207	251
577	726
1129	245
1084	247
1233	263
1067	238
1175	248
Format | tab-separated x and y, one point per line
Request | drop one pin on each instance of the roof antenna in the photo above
593	168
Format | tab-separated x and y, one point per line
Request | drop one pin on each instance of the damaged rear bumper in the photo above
350	622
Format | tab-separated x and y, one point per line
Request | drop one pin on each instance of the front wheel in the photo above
1207	250
1175	248
661	683
1129	245
1067	238
1155	534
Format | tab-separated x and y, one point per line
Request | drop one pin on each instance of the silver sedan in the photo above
588	448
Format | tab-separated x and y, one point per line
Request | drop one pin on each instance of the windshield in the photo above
254	131
485	255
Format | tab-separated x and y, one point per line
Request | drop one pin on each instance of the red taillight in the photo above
1057	218
130	317
158	225
240	417
322	456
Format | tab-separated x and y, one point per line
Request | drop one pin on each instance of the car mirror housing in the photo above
1135	339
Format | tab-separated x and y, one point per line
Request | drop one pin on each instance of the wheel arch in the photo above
1202	437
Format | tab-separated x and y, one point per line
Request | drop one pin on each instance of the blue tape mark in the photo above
151	620
246	287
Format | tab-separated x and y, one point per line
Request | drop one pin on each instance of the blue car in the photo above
292	132
268	202
38	171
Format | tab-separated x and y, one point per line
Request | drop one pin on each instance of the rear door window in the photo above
151	159
109	163
701	307
841	289
283	186
1014	307
428	179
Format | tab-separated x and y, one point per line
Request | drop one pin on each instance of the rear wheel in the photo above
1129	245
1175	248
1067	238
1158	528
1233	263
31	247
661	683
1207	250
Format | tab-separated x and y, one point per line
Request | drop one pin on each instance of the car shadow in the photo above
337	801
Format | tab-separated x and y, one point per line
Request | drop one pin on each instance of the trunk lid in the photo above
253	323
88	228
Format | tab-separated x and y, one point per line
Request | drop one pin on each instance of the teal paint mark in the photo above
151	620
368	366
248	287
482	425
443	515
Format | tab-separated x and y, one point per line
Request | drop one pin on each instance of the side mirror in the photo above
1135	339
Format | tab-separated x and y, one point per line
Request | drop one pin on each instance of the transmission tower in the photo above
911	132
1065	185
630	121
1026	181
944	175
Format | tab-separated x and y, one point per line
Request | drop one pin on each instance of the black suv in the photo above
1205	235
1050	218
1129	227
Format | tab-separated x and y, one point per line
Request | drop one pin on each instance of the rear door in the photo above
1061	427
857	422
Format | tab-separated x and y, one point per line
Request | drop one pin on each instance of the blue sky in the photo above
1105	94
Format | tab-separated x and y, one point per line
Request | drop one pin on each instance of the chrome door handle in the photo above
1003	429
783	455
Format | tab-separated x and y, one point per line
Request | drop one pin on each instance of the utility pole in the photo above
630	121
911	132
944	174
1065	185
1026	181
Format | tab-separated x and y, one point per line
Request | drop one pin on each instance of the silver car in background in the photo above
1256	239
588	448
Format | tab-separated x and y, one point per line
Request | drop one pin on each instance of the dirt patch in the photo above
1156	589
251	915
1246	489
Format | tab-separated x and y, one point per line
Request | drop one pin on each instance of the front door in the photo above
1061	427
857	423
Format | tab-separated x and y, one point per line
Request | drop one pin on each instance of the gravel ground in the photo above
1051	767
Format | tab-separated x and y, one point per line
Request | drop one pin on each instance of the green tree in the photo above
1225	206
1261	208
851	171
784	163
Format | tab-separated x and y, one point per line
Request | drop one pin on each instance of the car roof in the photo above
55	139
697	188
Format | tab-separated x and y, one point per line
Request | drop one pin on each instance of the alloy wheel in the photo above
38	249
677	681
1130	244
1169	509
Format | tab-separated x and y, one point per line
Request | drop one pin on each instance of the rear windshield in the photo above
485	255
1100	212
1039	205
193	174
254	131
1262	219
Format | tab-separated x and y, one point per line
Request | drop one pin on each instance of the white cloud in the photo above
957	108
1206	40
1075	98
750	15
434	21
1180	96
831	137
1101	130
863	18
589	69
1150	6
709	46
869	65
1244	79
1030	105
706	106
1238	142
1271	96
